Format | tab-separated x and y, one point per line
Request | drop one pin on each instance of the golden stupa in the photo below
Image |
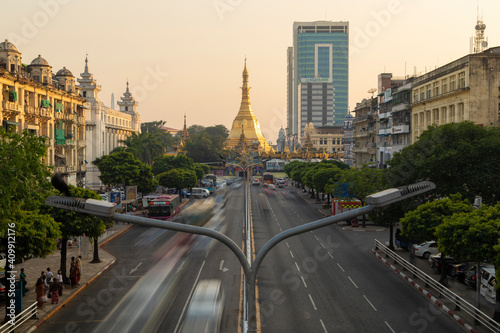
246	126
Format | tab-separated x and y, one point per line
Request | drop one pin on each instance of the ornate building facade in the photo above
246	126
105	127
33	99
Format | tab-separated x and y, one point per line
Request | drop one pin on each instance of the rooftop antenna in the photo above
480	44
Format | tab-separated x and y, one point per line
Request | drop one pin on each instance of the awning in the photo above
32	126
8	122
60	156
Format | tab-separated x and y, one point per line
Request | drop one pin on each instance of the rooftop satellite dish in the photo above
372	90
484	43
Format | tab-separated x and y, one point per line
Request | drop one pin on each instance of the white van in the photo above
199	192
488	283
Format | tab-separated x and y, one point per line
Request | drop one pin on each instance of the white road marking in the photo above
297	266
393	331
314	305
374	308
292	255
189	297
316	238
287	244
135	268
330	255
324	327
340	267
353	282
322	246
303	281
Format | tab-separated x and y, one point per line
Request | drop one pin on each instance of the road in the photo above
322	281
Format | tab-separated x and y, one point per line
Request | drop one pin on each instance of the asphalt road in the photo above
327	281
321	281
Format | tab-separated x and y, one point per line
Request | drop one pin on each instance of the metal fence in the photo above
22	317
460	304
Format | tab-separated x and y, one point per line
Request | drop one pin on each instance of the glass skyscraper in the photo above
320	51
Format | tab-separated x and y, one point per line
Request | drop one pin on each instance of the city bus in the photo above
164	207
267	179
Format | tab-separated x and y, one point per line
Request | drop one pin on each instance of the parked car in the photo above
425	249
488	284
459	270
435	262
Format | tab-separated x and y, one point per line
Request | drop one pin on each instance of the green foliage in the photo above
199	170
324	176
202	147
359	183
165	163
420	224
178	178
122	168
459	158
36	234
472	235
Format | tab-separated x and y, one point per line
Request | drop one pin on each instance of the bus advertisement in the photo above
164	207
267	179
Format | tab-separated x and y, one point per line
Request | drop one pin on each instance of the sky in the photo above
187	57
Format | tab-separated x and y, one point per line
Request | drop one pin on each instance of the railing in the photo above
69	117
27	314
459	303
10	106
401	107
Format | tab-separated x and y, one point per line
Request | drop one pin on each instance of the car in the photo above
425	249
272	187
435	262
459	270
471	276
256	181
205	309
488	284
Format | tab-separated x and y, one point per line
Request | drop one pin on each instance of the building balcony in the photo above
385	131
59	116
384	115
80	120
401	107
81	144
10	107
368	116
48	140
69	117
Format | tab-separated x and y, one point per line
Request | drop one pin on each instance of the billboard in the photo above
131	192
116	197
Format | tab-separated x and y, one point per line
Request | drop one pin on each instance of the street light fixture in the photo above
375	201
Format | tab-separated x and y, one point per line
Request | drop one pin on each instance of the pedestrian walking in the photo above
50	276
22	278
73	274
59	278
40	292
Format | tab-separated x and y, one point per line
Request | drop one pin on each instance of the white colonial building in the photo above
105	127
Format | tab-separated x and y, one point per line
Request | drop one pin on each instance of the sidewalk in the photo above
34	267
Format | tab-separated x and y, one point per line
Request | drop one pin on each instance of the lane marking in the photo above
297	266
330	255
341	267
314	305
287	244
292	255
189	297
303	281
316	238
353	282
374	308
393	331
322	245
324	327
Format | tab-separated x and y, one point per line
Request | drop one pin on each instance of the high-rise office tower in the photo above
320	55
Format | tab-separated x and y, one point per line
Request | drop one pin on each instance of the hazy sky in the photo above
186	57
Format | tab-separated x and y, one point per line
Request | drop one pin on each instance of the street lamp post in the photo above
375	201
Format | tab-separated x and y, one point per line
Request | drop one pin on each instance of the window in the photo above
461	111
428	93
452	82
461	80
444	86
84	94
435	89
415	98
452	114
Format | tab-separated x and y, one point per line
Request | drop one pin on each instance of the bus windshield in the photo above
267	179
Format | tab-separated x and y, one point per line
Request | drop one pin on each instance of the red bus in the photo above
164	207
267	179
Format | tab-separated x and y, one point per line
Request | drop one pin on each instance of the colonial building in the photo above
348	140
324	139
246	127
33	99
106	128
465	89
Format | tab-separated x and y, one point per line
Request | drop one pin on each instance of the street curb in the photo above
115	235
55	310
424	292
307	201
360	229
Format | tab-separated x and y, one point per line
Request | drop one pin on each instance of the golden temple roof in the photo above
246	124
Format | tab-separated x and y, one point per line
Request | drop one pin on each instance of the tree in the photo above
202	147
474	236
459	158
75	224
23	187
325	176
359	183
178	178
420	224
122	168
165	163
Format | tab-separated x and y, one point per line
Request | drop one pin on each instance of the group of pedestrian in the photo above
50	286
